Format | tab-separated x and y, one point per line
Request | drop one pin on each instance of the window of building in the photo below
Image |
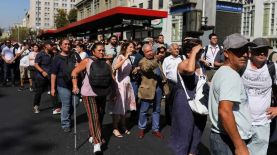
140	5
56	4
150	4
266	19
96	6
161	4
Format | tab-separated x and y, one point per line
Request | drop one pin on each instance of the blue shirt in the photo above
44	60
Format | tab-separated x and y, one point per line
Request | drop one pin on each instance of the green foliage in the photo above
72	15
61	18
21	33
1	31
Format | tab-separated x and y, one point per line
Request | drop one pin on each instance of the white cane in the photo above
75	127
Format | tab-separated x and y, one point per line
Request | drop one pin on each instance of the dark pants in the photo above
42	85
1	71
9	69
32	70
169	102
186	128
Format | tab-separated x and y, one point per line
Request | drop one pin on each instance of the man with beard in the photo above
112	49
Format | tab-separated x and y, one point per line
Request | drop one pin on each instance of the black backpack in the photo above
68	66
100	77
272	72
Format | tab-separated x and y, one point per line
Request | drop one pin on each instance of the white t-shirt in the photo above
83	55
257	83
170	65
7	53
227	85
24	58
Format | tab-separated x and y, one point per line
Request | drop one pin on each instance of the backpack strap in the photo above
181	56
271	70
205	52
271	55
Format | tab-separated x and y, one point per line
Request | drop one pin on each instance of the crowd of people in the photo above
233	85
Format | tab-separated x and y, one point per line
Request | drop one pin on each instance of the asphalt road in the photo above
24	133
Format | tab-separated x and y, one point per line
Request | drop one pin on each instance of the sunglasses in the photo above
260	51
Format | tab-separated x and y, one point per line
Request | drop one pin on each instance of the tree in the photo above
1	31
72	15
60	18
19	33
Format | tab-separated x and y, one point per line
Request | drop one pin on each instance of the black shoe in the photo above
66	129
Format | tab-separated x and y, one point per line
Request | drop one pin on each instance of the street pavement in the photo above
24	133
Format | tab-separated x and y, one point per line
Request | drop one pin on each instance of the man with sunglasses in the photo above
231	129
258	84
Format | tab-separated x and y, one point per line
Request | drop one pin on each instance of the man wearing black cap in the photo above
258	85
228	107
42	64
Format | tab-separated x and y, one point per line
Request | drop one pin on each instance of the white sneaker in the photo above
97	148
57	111
90	140
48	92
36	110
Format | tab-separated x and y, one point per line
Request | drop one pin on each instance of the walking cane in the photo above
75	127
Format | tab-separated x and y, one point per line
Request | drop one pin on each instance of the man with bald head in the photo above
150	90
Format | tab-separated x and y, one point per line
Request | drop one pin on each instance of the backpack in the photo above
68	66
100	77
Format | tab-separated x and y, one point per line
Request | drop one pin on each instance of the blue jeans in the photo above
144	106
222	144
67	106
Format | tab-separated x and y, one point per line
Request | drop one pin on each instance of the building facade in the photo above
41	13
259	20
88	8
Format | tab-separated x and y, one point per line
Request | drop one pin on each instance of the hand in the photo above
44	74
242	150
196	49
75	90
271	112
25	48
10	62
53	92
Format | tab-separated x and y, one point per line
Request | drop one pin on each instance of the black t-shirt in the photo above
44	60
57	69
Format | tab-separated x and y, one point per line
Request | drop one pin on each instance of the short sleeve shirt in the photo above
227	85
57	69
7	53
44	60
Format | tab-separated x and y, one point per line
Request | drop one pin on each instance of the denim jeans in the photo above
222	144
260	140
144	106
9	69
67	106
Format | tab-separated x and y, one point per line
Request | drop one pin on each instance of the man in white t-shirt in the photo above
8	56
258	85
229	113
23	54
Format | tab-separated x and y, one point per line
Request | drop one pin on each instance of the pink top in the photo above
32	56
86	89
